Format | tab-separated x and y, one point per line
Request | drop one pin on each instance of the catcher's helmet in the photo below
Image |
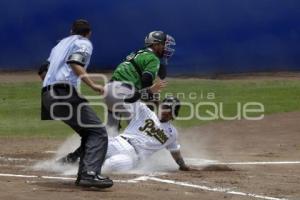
155	37
168	41
173	103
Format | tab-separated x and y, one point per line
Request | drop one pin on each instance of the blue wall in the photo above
212	36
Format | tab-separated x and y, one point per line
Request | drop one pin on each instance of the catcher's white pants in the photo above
116	92
120	156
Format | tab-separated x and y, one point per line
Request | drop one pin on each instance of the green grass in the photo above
276	95
20	103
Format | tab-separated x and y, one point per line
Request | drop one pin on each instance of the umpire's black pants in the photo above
83	120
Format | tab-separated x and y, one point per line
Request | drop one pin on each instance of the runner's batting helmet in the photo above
173	103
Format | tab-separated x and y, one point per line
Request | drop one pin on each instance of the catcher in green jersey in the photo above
133	79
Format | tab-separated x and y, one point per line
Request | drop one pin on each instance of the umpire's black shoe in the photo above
90	179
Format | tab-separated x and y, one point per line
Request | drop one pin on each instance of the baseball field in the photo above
241	133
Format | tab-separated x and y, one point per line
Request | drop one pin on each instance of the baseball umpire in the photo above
68	61
133	78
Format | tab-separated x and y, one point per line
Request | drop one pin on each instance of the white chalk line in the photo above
58	178
192	161
15	159
16	166
18	175
201	162
214	189
262	163
50	152
146	178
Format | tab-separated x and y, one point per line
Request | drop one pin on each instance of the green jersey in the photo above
145	60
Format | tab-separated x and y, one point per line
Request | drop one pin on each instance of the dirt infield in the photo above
236	160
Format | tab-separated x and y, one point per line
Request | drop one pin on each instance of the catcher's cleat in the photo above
90	179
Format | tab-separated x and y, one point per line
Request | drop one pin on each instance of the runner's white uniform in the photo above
144	136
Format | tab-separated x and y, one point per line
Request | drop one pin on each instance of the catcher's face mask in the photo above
168	48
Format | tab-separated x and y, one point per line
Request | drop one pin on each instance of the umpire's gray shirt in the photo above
59	71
